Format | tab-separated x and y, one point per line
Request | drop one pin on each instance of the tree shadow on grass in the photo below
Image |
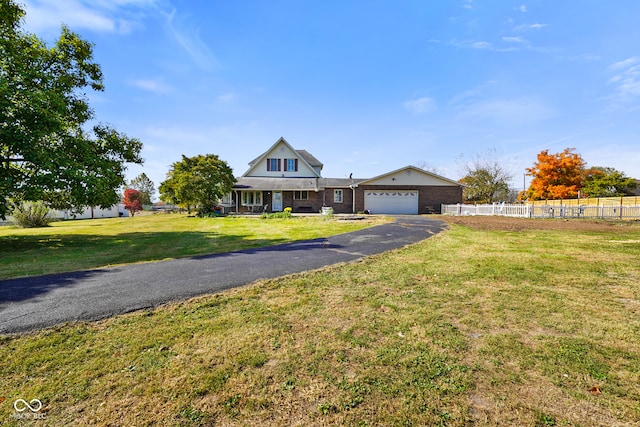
47	253
66	260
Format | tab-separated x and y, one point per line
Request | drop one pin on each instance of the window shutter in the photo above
296	166
279	163
268	165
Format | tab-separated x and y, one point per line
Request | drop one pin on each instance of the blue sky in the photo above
366	86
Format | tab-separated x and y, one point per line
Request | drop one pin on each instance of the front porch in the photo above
257	202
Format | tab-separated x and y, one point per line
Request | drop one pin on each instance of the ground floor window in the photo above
227	199
337	196
300	195
251	198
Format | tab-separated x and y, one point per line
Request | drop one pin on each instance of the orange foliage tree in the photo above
556	176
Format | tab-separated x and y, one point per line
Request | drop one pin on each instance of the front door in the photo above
276	200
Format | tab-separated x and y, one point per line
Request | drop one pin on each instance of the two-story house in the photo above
285	177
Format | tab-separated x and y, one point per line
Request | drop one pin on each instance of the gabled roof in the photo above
304	155
309	158
411	169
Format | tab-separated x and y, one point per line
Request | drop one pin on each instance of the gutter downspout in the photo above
353	198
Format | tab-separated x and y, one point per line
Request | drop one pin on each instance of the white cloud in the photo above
585	57
607	154
537	26
100	16
468	96
527	27
45	15
189	39
626	63
508	112
420	105
626	82
481	45
522	8
514	40
153	85
116	16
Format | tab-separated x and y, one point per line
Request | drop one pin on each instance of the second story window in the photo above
273	165
291	165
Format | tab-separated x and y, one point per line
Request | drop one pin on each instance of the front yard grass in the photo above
85	244
470	327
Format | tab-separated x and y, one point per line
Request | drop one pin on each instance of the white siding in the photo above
281	151
88	213
410	176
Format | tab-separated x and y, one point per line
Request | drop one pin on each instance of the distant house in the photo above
285	177
88	212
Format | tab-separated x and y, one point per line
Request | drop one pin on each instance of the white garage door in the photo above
391	202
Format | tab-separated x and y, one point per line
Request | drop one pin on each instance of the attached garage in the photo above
398	202
406	191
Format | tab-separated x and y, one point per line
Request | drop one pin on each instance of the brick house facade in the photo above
284	177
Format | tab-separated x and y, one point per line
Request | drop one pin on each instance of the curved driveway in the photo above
43	301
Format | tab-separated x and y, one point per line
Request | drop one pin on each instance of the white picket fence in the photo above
501	209
544	211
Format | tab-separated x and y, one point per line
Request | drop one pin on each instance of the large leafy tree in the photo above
556	175
200	182
145	186
485	179
48	149
607	182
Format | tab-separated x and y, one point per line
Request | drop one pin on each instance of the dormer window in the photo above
273	165
291	165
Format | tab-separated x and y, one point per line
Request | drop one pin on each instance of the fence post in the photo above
621	202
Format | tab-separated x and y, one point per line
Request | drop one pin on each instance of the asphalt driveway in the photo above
44	301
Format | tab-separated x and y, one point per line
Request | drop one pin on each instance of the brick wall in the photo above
339	208
430	197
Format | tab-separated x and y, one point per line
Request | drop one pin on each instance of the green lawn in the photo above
525	327
85	244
